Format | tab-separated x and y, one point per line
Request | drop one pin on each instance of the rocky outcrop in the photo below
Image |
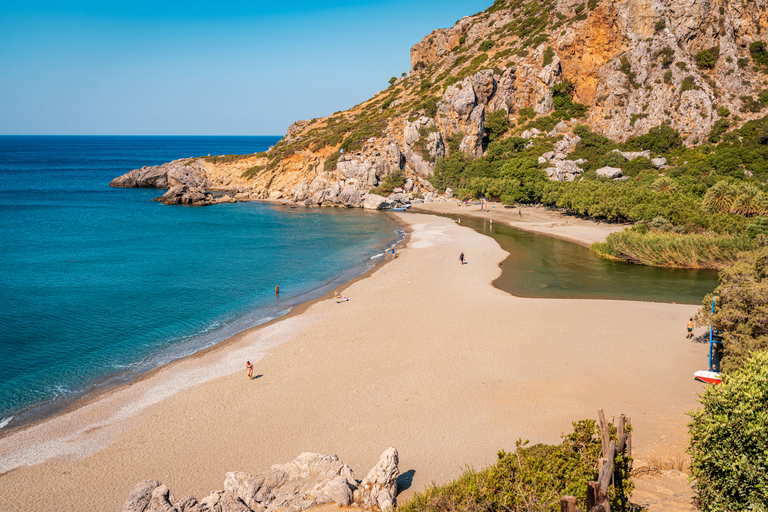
190	196
179	172
311	479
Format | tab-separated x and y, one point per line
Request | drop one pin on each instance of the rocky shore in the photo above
310	480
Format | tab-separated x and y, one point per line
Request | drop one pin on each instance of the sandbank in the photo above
533	218
426	356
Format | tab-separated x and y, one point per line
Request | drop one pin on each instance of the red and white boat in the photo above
708	377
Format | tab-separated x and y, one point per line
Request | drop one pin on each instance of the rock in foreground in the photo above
310	480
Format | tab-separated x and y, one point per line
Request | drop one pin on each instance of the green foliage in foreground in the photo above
741	310
530	478
664	249
729	441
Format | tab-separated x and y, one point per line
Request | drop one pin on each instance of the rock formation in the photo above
311	479
634	64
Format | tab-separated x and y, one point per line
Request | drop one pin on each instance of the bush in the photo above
496	123
728	439
660	25
659	139
668	77
331	161
486	45
667	56
549	54
538	474
759	53
688	84
706	59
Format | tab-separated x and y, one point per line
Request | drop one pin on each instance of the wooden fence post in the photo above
568	504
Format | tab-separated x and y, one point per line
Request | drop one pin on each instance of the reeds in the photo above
660	249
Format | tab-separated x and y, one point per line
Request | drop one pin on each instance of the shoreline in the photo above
407	362
44	411
535	219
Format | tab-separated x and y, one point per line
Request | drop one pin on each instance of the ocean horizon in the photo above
102	284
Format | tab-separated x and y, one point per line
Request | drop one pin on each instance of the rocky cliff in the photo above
629	65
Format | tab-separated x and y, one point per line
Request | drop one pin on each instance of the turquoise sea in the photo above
101	284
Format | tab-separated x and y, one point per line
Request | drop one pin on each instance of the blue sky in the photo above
207	68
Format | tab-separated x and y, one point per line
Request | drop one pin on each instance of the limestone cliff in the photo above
633	64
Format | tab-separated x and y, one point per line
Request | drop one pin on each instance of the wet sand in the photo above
426	356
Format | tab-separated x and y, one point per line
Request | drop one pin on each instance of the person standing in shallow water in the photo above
249	367
277	290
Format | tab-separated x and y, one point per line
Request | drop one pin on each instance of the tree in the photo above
664	184
719	198
749	200
728	441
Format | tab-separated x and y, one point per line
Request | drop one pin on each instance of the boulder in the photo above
379	487
375	202
659	162
609	172
631	155
226	199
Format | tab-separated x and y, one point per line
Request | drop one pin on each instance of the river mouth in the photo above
540	266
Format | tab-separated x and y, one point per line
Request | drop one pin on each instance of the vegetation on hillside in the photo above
530	478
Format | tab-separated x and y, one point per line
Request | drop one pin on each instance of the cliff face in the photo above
635	64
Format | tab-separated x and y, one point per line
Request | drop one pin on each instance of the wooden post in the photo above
593	489
629	439
568	504
620	431
605	433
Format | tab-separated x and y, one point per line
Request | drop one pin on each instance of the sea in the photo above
100	284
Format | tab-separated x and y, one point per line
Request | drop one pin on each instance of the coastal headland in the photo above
426	356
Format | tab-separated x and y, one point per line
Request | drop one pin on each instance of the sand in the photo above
426	356
537	219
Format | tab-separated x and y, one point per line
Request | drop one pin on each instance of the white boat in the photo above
708	377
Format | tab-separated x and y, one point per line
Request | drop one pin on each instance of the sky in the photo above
217	67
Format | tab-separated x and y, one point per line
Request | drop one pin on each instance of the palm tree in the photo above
664	184
749	200
719	198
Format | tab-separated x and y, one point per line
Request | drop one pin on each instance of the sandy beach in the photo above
536	219
426	356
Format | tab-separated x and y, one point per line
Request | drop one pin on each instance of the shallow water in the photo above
545	267
98	282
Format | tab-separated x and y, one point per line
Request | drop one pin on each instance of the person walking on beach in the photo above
249	367
461	258
690	329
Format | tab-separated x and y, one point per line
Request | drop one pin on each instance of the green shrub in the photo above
331	161
743	62
486	45
759	53
660	25
393	180
667	56
668	77
462	39
758	226
723	111
682	65
525	113
688	84
496	123
538	474
706	59
392	80
549	53
728	440
659	139
719	128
